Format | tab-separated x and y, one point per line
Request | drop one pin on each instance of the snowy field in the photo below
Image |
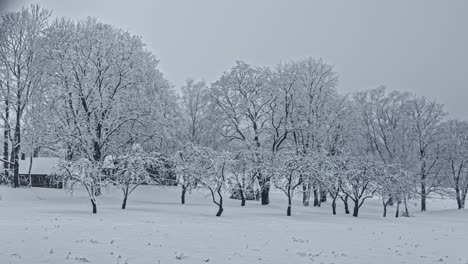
48	226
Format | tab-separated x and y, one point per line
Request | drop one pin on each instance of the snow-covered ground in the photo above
48	226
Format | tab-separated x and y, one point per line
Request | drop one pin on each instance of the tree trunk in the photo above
288	211
346	206
29	172
356	209
385	204
323	196
220	204
220	210
334	206
94	206
306	193
316	198
124	203
241	192
6	135
406	207
397	214
265	195
6	149
242	198
457	192
17	147
182	197
423	196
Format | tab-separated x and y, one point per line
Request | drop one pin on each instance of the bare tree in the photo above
195	104
455	158
242	97
132	170
425	119
314	111
186	169
359	182
21	73
288	170
242	177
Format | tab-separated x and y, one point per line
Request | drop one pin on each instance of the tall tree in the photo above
242	98
195	99
21	73
425	120
106	87
386	124
316	111
455	158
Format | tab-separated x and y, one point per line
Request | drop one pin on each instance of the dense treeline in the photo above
92	94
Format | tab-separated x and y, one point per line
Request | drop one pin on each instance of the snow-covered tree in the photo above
455	159
106	88
131	170
425	120
83	171
316	109
385	122
329	171
288	169
195	102
208	168
186	168
21	73
359	182
394	184
241	177
242	98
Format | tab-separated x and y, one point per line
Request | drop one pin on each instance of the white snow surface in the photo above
40	225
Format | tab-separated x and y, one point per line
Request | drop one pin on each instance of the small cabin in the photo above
41	171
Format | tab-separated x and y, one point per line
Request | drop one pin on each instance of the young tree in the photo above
187	169
209	169
393	183
82	171
288	170
215	178
241	177
132	170
359	183
331	171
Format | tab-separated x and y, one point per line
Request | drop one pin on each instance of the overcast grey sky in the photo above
419	46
